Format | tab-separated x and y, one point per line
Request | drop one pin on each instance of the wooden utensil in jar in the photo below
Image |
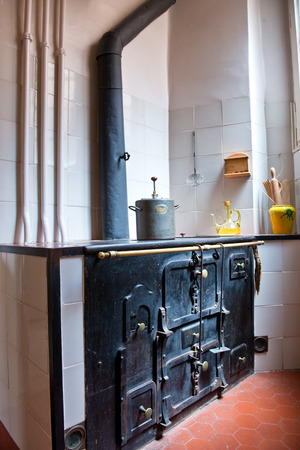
286	197
276	187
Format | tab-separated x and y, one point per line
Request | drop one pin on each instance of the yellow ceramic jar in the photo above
282	218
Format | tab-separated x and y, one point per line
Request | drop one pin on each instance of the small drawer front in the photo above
141	408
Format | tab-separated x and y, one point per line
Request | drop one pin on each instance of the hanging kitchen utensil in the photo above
276	187
195	178
286	196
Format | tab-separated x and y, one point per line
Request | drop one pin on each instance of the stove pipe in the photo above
114	207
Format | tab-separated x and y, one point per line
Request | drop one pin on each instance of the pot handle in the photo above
176	206
135	208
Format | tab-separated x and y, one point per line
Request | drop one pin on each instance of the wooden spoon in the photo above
276	187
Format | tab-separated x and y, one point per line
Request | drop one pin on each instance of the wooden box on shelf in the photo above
237	165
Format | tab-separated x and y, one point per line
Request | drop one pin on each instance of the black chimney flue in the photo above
114	207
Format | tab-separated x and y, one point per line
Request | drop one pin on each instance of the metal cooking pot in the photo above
155	217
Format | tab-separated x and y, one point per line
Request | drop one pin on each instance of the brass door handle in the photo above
204	365
197	335
204	273
147	412
243	359
141	326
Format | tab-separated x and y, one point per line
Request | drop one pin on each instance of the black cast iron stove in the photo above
164	333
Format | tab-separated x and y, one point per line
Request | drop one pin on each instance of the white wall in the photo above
146	113
231	62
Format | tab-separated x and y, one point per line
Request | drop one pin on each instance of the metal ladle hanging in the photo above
195	178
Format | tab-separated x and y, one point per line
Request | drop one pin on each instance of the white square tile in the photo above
7	227
272	359
208	199
205	225
279	140
78	154
79	87
271	256
186	223
291	320
259	139
133	109
291	287
209	115
239	192
3	364
74	398
291	251
237	138
158	168
71	279
30	386
79	223
35	282
37	438
8	133
185	196
8	190
79	121
209	141
72	334
236	110
277	114
181	144
271	290
291	354
9	69
269	321
181	119
14	275
17	422
79	189
9	100
135	168
180	169
156	144
156	117
134	137
247	221
211	167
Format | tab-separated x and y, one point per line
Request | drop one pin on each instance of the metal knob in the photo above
241	265
243	359
141	326
204	273
147	412
204	365
196	335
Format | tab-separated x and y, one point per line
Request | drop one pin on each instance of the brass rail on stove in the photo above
155	251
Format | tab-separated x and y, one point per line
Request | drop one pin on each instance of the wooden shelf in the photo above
236	165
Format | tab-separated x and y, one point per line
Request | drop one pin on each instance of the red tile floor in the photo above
262	412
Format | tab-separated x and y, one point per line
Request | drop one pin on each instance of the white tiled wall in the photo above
24	372
277	307
222	128
72	340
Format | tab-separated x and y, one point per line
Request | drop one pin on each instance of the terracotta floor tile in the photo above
265	416
226	412
290	426
224	441
198	444
270	431
282	399
263	392
179	435
266	403
289	412
247	421
246	407
262	411
291	441
203	431
248	437
205	416
271	444
225	426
